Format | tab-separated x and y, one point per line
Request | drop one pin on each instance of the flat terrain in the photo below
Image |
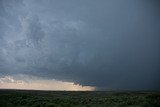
22	98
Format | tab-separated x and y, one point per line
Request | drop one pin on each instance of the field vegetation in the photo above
26	98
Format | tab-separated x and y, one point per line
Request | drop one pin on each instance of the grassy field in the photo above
22	98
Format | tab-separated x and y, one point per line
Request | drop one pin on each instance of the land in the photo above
35	98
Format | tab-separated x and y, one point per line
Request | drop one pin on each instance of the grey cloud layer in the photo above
104	43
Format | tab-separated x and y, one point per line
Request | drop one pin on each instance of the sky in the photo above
80	44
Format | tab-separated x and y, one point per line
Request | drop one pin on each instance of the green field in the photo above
22	98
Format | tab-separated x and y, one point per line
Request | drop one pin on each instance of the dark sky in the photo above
109	44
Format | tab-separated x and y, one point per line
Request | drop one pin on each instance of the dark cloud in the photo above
108	44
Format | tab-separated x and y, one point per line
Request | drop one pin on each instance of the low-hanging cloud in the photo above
106	44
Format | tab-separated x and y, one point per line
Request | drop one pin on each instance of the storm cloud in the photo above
109	44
